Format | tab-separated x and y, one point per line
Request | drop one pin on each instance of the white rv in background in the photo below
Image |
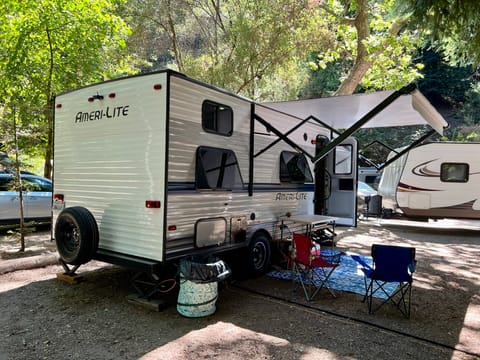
434	180
156	167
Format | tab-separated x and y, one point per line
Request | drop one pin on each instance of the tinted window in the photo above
217	118
6	183
217	169
454	172
294	168
36	184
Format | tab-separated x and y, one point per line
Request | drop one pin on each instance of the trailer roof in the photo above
341	112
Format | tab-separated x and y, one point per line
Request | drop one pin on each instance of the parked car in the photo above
363	190
37	198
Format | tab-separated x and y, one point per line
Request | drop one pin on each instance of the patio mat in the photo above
347	277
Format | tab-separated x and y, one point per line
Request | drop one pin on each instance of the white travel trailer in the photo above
156	167
435	180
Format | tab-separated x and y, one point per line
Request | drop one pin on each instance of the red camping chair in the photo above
312	269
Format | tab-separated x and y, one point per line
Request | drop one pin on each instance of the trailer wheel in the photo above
259	254
76	235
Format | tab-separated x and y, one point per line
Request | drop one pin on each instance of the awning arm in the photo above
281	136
408	148
366	118
364	158
286	134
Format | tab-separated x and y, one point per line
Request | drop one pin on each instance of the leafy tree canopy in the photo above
453	25
50	46
373	50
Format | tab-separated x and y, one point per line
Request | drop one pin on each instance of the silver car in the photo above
37	198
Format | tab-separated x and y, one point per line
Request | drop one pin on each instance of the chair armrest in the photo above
367	269
412	266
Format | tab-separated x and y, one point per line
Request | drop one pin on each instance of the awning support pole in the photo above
407	149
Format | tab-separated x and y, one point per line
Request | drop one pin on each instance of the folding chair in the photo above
391	264
312	269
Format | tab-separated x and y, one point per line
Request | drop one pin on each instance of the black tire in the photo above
259	254
76	235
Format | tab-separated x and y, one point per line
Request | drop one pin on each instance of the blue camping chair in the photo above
391	264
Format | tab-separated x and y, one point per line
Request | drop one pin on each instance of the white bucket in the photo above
197	299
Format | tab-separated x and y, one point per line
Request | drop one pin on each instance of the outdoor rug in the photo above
346	277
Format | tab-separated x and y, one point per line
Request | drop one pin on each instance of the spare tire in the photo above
76	235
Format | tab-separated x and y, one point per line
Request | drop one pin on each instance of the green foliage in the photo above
383	60
252	48
256	45
392	137
50	46
453	26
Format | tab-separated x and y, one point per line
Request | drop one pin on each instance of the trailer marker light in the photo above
152	204
58	197
157	87
59	106
172	227
112	95
95	97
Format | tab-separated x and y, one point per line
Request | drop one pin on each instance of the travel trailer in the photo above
434	180
153	168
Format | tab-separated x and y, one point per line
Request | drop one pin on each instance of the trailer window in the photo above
217	118
454	172
217	169
343	159
294	168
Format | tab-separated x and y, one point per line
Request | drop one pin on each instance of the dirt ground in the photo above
45	318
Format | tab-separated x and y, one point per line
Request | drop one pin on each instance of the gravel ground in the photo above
45	318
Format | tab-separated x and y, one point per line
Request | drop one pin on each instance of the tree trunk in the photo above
361	65
19	183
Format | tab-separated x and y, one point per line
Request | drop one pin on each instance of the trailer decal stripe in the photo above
402	187
190	186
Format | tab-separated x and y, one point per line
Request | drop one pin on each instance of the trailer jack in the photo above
69	275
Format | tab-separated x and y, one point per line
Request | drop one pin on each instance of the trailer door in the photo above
338	175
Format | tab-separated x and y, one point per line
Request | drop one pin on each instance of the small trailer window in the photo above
343	159
217	169
217	118
294	168
454	172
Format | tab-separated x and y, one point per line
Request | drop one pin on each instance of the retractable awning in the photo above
341	112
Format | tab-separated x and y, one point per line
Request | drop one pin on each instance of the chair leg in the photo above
401	297
324	281
300	278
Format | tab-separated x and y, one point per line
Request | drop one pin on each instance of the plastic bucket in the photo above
197	299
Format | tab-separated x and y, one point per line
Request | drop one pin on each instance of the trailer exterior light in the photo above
91	99
112	95
59	106
152	204
157	87
172	227
58	198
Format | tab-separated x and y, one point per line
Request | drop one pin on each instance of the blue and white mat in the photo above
346	277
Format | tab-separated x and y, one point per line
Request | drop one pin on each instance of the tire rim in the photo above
70	236
259	253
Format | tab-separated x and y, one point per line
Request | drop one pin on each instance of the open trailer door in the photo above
336	183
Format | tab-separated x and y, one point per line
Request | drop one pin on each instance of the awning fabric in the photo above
341	112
